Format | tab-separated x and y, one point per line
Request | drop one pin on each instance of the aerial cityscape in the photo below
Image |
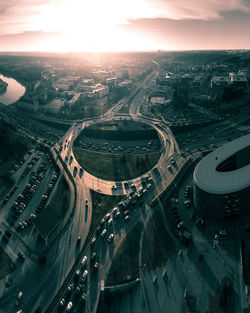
125	156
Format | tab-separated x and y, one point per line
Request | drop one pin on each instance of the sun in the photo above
93	25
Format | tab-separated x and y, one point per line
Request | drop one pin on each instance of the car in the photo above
84	275
19	298
69	307
86	204
77	275
93	240
83	298
93	256
114	187
102	221
69	290
114	210
61	303
180	225
111	236
187	203
95	267
127	218
110	221
118	214
172	161
107	216
78	290
104	232
84	261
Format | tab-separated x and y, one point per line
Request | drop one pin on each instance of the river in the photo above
14	91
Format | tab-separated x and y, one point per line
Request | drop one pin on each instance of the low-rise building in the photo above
220	81
157	100
238	80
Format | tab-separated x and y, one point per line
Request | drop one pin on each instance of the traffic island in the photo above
101	204
157	245
125	265
117	150
7	266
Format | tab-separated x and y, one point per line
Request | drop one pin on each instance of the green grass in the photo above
157	245
7	266
101	204
126	261
116	167
61	198
121	125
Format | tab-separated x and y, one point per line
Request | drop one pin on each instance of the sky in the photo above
123	25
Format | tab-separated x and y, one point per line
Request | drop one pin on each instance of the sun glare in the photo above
92	25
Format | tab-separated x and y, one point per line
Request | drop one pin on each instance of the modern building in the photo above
220	81
111	82
221	181
238	80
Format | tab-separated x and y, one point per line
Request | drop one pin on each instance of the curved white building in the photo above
222	180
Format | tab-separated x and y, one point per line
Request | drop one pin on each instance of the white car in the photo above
126	218
111	236
107	216
103	233
69	306
110	221
84	260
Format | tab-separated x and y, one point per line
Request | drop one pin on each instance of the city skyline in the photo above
84	26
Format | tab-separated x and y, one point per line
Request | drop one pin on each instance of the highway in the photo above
40	283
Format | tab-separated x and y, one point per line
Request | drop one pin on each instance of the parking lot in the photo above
35	178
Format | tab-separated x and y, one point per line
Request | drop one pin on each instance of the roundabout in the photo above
118	186
117	150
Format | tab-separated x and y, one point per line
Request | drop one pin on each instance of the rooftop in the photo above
208	178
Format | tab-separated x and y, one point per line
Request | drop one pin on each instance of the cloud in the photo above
196	9
58	15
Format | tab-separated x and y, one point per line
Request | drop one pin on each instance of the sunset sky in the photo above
123	25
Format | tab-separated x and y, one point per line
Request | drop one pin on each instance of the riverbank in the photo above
14	90
3	86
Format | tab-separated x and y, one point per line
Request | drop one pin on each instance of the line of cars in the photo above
52	135
17	165
77	289
115	148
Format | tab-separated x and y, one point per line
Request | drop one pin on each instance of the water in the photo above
14	91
